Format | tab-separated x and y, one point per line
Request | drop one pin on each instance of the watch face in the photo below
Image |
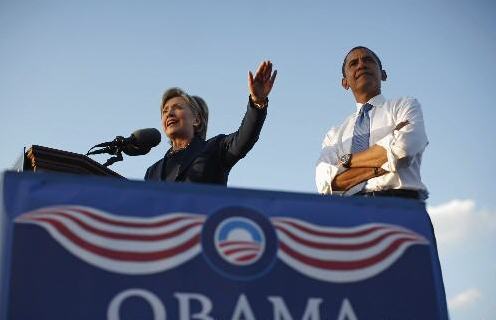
345	160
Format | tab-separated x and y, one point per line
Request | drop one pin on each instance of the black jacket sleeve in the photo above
236	145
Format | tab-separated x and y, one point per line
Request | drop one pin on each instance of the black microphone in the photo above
138	143
141	141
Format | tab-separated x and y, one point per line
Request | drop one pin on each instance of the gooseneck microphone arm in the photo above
113	148
139	143
114	159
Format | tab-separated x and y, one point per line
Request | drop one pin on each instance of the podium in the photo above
41	159
84	247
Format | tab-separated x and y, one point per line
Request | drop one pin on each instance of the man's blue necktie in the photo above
361	132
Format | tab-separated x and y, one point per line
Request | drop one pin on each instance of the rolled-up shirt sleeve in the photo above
327	166
401	145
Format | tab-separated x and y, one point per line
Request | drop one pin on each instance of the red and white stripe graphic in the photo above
240	252
128	245
340	254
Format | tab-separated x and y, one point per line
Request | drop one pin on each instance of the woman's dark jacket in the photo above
211	161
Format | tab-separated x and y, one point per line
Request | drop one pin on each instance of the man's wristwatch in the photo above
345	160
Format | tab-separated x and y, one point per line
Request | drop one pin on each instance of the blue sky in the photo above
76	73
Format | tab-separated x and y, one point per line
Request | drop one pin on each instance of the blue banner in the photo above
101	248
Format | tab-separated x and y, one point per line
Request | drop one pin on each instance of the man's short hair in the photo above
360	47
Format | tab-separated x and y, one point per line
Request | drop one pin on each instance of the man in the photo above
377	150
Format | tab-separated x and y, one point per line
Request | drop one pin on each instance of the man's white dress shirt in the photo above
404	147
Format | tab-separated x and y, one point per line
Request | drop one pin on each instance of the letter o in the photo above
115	305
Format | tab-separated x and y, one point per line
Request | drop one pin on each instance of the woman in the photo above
191	158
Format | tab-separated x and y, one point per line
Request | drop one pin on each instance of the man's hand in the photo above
261	85
353	176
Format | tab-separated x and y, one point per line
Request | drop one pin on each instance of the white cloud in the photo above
466	236
457	220
465	299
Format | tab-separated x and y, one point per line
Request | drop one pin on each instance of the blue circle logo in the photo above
239	243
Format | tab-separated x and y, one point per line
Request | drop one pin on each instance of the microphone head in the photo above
141	141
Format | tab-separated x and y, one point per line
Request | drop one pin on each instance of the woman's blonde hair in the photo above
198	107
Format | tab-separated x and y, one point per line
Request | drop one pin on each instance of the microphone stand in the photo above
113	148
112	160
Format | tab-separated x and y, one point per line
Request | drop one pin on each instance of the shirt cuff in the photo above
387	143
324	174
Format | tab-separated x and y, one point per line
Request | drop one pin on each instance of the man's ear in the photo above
345	84
383	75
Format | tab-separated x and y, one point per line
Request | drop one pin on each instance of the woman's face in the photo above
178	119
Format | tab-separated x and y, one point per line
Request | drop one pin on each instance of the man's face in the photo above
362	73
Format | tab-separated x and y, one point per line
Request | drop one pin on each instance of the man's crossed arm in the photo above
363	166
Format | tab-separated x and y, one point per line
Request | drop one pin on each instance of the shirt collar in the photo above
376	101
